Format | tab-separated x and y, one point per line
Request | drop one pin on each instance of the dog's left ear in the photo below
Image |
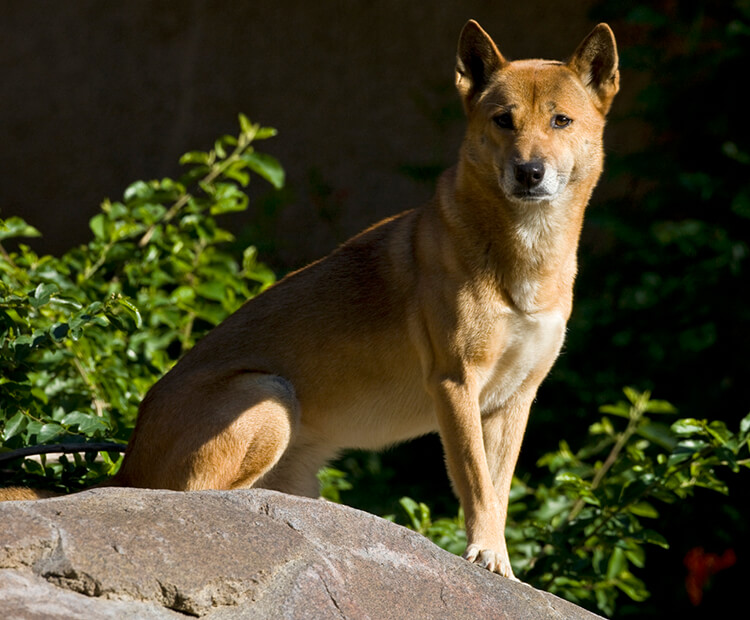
476	61
595	62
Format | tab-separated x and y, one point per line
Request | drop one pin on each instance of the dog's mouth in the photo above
529	195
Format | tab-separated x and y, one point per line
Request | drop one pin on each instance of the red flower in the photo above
701	567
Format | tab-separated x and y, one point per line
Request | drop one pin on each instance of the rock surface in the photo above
127	553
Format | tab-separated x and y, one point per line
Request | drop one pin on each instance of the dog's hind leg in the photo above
254	442
224	437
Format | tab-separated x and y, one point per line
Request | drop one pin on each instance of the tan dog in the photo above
444	318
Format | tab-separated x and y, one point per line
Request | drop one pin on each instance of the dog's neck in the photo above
529	248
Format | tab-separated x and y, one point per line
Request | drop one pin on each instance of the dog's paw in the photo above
494	561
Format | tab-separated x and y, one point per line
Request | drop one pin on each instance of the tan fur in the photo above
21	493
445	318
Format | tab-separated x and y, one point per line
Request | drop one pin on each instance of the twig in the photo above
636	413
6	256
216	170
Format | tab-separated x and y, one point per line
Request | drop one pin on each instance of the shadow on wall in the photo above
98	95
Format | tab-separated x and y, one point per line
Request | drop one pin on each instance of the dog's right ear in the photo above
477	60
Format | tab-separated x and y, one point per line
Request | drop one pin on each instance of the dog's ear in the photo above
595	63
476	62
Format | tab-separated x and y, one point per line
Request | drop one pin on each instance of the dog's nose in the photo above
530	173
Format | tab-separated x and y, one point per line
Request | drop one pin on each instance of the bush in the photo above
585	532
83	336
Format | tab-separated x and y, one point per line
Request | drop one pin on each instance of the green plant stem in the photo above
607	465
99	261
6	256
243	142
612	512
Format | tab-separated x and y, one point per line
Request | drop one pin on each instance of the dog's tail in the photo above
14	494
10	494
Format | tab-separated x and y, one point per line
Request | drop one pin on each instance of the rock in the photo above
133	553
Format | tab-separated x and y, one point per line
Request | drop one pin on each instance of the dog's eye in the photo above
504	121
560	120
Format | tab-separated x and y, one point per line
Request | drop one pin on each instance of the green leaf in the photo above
632	586
183	295
685	451
266	166
236	173
16	227
332	482
636	397
644	509
745	429
196	157
87	423
213	290
418	512
256	131
245	125
132	309
654	538
14	426
42	294
33	467
100	226
570	479
49	431
265	132
617	564
719	431
659	434
228	198
138	190
660	406
621	409
687	426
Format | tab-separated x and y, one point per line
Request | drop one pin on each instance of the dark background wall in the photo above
98	94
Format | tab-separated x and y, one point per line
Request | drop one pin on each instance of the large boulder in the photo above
131	553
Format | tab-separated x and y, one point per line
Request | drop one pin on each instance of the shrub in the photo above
83	336
584	533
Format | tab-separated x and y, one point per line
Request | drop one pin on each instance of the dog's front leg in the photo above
503	432
461	433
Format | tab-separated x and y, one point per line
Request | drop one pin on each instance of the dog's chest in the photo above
529	343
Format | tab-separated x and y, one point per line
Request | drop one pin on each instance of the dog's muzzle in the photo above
531	181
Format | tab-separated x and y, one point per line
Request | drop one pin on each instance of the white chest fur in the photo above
529	342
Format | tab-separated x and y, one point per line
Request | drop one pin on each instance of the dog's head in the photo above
535	126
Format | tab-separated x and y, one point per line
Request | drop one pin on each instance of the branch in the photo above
215	171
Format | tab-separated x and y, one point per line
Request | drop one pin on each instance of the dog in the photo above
445	318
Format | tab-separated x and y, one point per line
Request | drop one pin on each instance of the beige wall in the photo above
98	94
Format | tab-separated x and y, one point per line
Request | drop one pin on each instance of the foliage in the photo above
658	303
584	534
332	482
663	264
448	533
662	260
83	336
